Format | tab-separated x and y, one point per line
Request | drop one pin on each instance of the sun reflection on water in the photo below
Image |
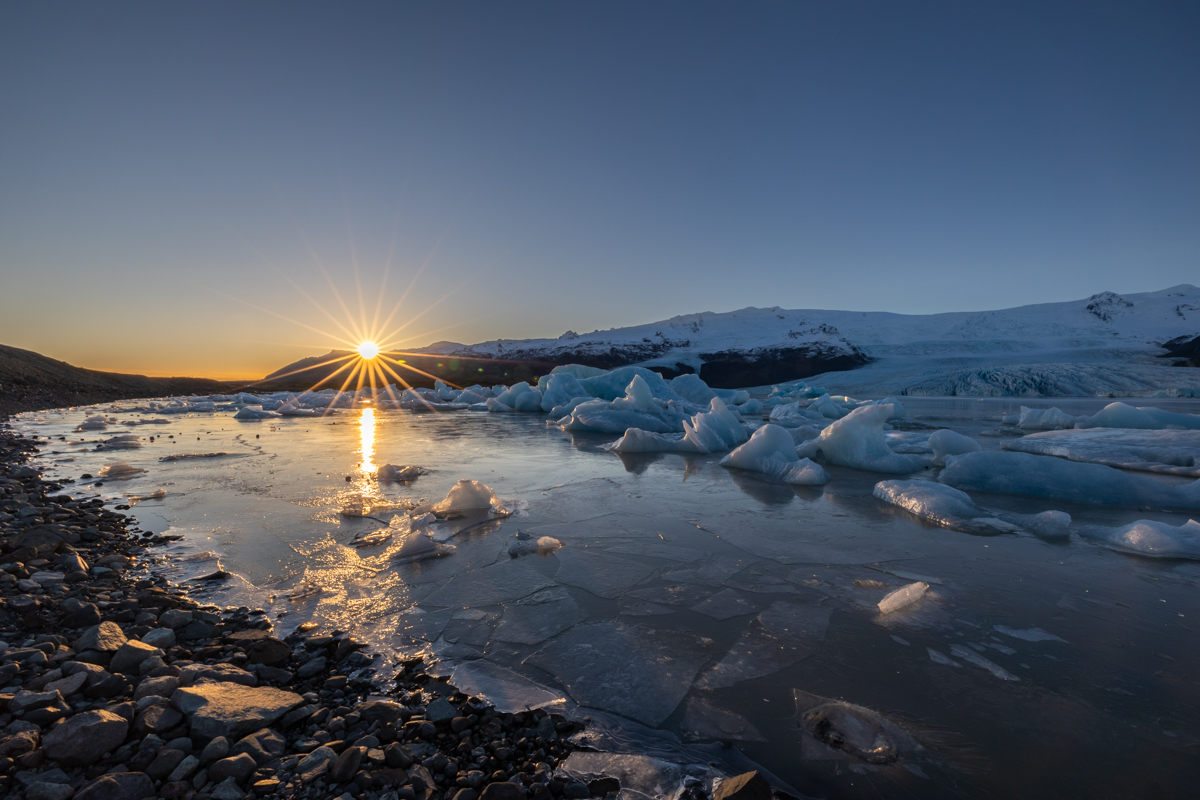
366	424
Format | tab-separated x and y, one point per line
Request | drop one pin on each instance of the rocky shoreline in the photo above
115	685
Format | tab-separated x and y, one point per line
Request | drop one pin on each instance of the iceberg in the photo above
1149	538
903	597
1173	452
857	441
772	452
392	472
468	495
946	442
640	407
1044	476
560	389
950	508
1113	415
252	414
706	432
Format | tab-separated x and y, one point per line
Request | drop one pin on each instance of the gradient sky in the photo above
168	170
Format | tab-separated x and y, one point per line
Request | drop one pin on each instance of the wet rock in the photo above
312	667
269	651
107	637
263	746
315	764
175	618
346	764
227	790
239	767
747	786
503	790
41	790
85	737
118	786
229	709
80	614
440	711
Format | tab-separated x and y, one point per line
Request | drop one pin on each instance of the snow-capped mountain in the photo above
759	346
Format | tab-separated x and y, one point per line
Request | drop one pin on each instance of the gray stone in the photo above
128	659
162	686
185	769
230	709
347	764
312	667
85	737
107	637
25	700
175	618
215	750
69	685
503	790
262	746
381	711
213	673
158	719
228	790
19	742
42	790
118	786
163	638
440	711
239	767
315	764
165	762
269	651
273	674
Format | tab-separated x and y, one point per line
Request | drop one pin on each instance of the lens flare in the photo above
368	350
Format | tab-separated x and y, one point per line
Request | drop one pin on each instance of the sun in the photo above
368	350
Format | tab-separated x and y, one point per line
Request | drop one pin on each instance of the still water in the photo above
692	603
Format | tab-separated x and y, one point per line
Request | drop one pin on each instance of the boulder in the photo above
382	711
175	618
239	767
315	764
69	685
163	638
503	790
230	709
747	786
107	637
85	737
162	686
228	790
43	790
262	746
269	651
212	673
130	656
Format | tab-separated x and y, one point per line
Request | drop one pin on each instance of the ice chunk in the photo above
708	431
941	658
119	470
1149	538
97	423
640	407
614	384
637	440
393	472
784	634
560	388
579	371
951	508
946	442
1173	452
253	414
1045	476
125	442
1119	415
629	669
523	544
859	732
857	441
509	692
1045	419
538	617
468	495
903	597
1027	634
772	452
970	656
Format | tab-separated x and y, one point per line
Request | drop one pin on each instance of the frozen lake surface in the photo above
690	603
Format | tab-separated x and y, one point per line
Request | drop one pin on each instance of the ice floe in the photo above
1149	538
1175	452
784	634
946	442
951	508
859	732
393	472
903	597
1113	415
119	470
1046	476
467	495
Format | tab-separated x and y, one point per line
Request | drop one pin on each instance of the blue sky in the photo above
167	171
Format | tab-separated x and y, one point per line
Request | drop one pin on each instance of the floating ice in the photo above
903	597
946	442
941	658
119	470
125	442
1045	476
1113	415
524	544
771	451
509	692
706	432
499	583
857	441
468	495
1027	634
602	575
784	634
640	407
93	424
1173	452
705	722
860	732
561	388
1045	419
251	414
639	672
970	656
393	472
1149	538
186	456
536	618
951	508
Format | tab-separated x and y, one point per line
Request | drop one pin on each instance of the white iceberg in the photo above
946	442
772	452
951	508
1149	538
857	441
468	495
638	408
1045	476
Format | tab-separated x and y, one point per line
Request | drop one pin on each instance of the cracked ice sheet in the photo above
680	594
588	500
784	542
705	722
727	604
628	669
538	617
503	688
783	635
500	583
639	775
602	575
